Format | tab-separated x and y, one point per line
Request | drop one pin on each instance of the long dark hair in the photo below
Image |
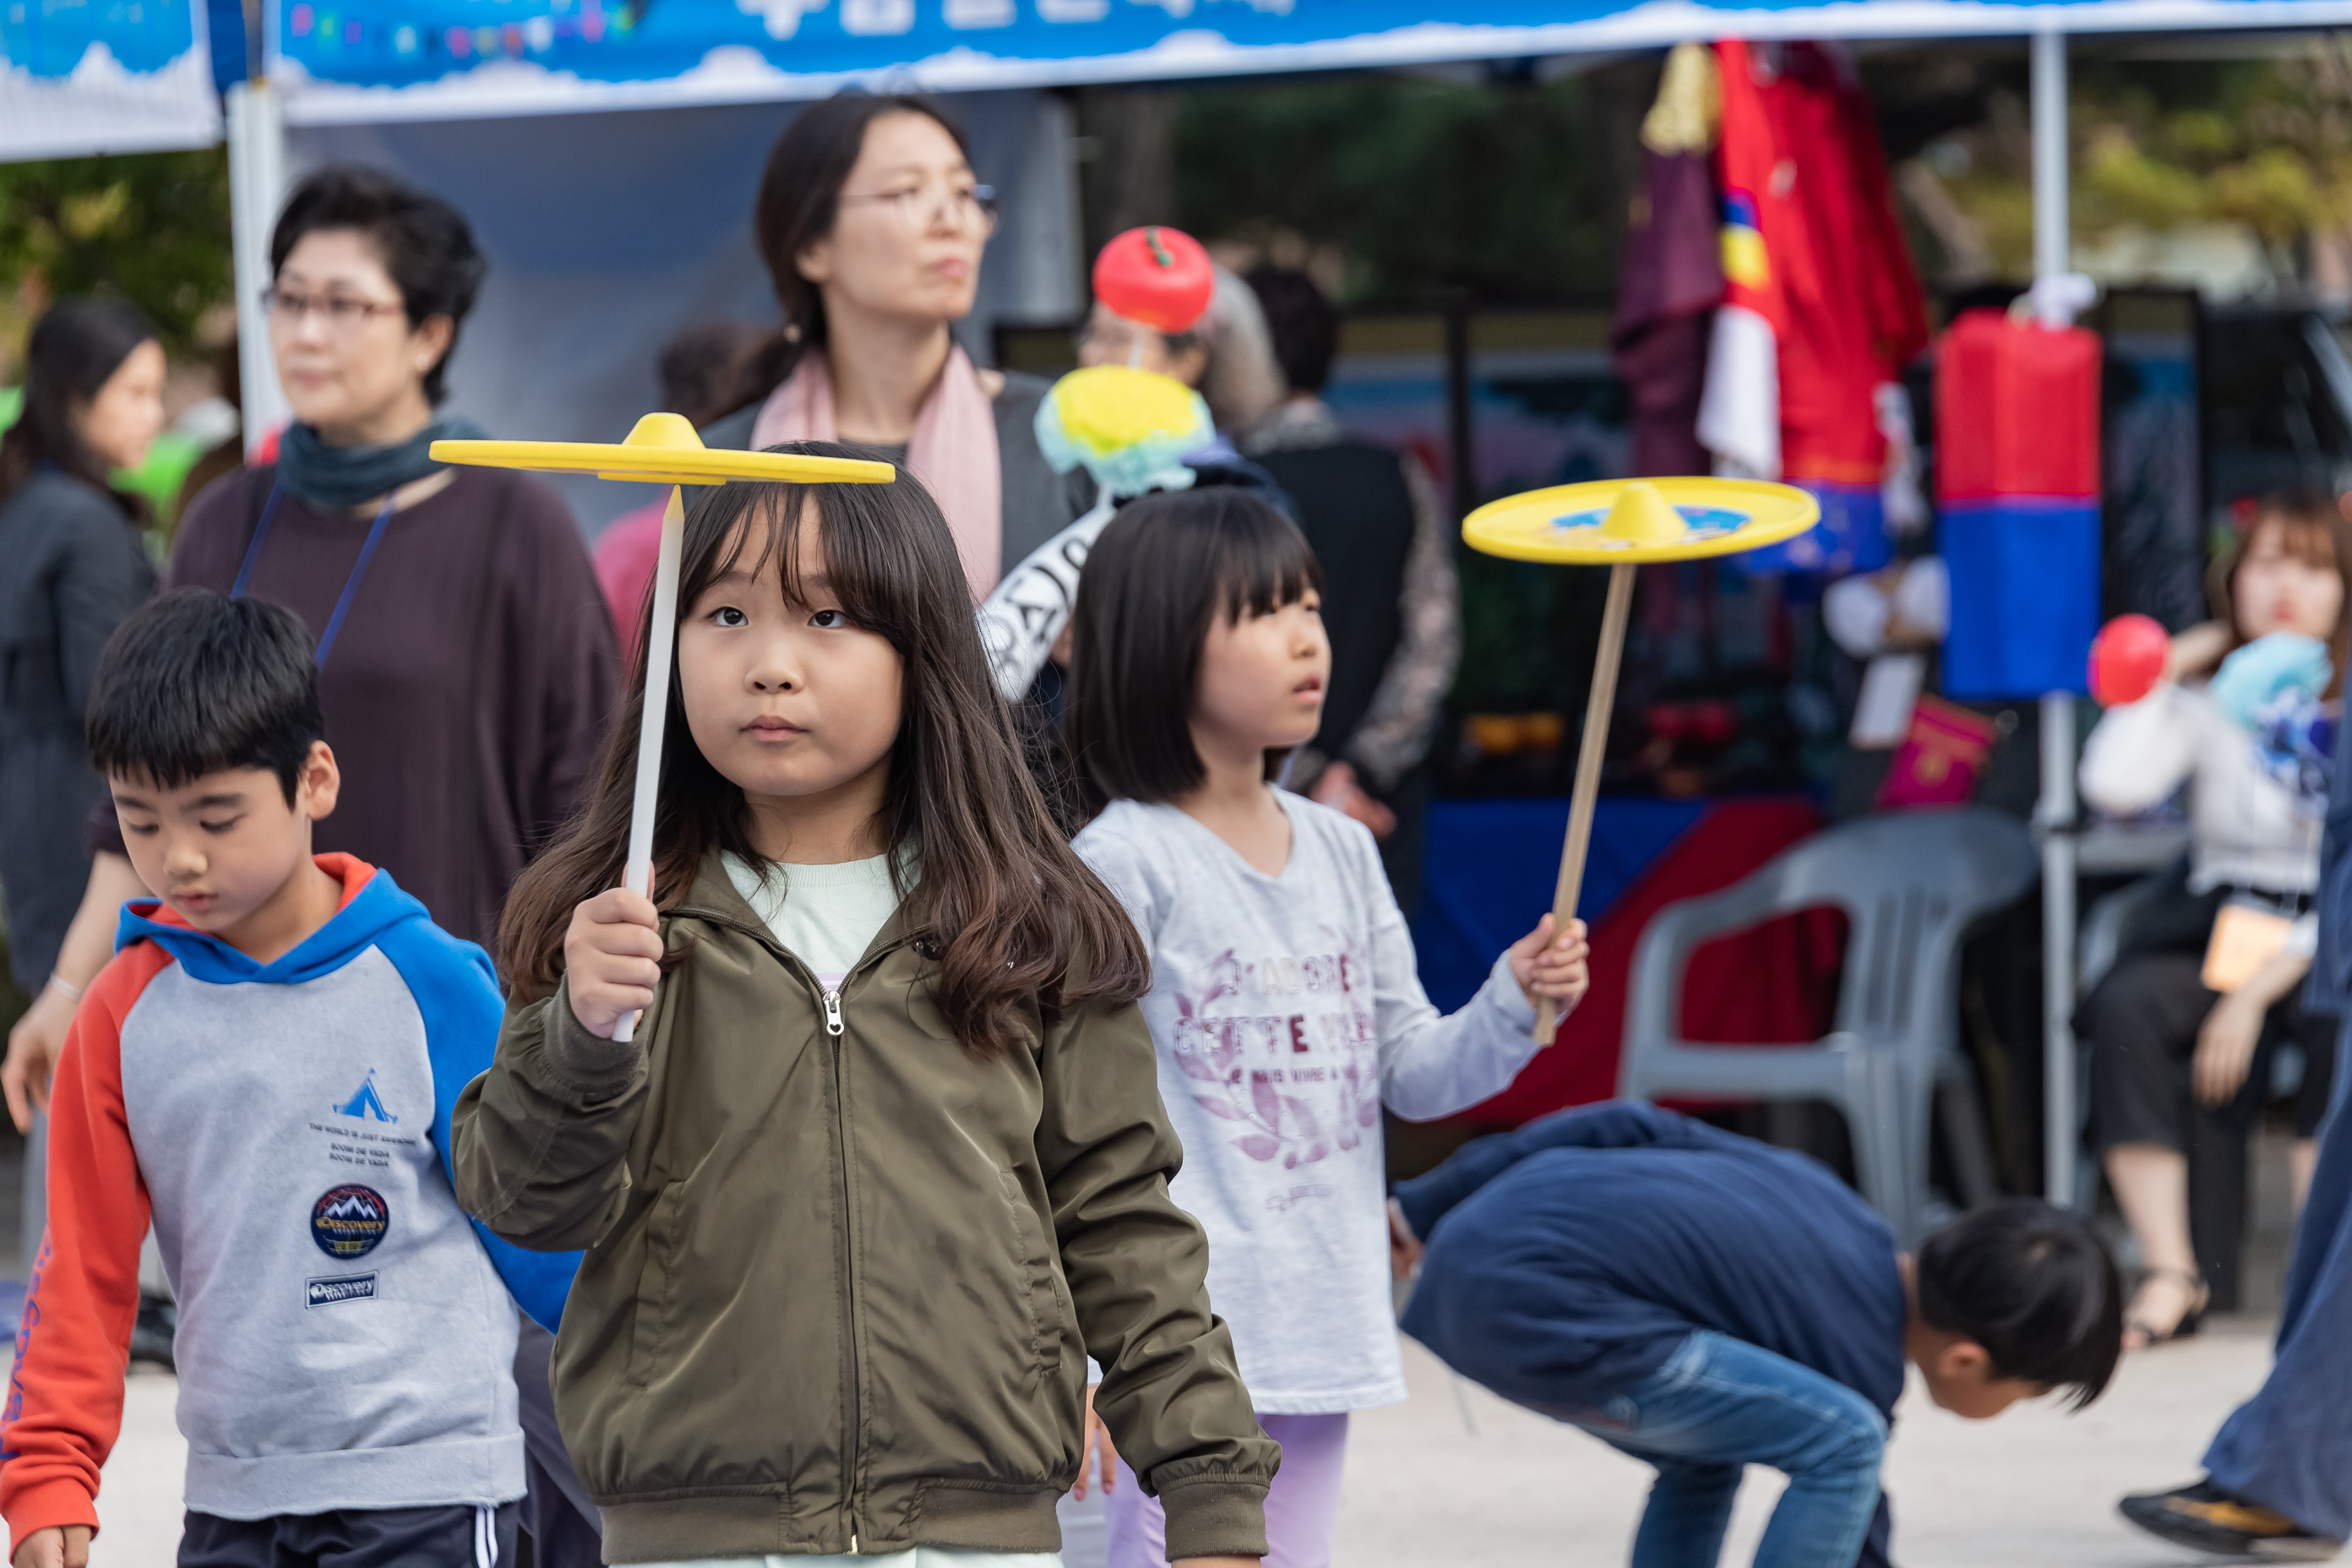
426	246
800	198
1164	569
75	349
1013	908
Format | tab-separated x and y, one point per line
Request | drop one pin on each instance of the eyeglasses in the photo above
342	313
919	207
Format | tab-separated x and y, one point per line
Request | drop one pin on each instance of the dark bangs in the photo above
2033	1285
196	682
1156	579
883	586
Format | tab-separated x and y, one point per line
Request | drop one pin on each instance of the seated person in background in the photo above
2175	1070
1704	1302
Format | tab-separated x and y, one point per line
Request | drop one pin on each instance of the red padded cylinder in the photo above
2017	410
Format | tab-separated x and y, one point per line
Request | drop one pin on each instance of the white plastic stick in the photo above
637	870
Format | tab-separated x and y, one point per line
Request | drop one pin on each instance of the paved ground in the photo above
2035	1490
1456	1474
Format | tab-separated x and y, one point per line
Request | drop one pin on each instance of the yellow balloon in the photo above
663	450
1629	523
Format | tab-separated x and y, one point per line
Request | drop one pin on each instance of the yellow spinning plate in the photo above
1621	524
1617	522
662	451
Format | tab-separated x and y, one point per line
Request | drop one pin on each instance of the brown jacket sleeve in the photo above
1137	1266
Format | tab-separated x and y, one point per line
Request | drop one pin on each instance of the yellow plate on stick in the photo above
1628	523
663	450
1625	523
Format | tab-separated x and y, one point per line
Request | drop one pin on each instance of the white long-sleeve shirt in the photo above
1286	1010
2247	828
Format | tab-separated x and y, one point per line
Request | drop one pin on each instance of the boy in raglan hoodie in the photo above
267	1065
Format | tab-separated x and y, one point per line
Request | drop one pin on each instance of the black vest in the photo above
1356	511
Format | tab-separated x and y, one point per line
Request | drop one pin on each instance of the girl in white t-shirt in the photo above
1284	1003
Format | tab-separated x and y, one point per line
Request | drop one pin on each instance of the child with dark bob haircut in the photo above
1704	1303
1284	1003
885	1160
268	1066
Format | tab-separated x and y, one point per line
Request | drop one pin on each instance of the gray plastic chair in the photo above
1911	886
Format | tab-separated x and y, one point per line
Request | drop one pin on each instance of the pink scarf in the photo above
952	451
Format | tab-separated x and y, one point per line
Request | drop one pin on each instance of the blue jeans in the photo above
2289	1446
1720	1405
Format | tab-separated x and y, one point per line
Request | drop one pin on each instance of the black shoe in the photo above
2207	1517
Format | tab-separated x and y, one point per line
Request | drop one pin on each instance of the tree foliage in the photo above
151	227
1426	187
2162	144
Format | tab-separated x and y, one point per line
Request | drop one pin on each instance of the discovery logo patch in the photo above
335	1291
348	1221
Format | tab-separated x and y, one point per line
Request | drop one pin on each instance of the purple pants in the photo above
1301	1510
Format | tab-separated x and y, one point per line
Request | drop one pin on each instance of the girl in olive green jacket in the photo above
886	1159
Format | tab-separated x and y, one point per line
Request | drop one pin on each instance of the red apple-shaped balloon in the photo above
2128	659
1158	275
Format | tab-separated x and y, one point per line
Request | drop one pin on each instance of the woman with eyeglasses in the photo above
466	668
873	224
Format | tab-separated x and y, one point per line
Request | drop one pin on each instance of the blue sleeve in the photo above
1618	1124
2331	972
457	992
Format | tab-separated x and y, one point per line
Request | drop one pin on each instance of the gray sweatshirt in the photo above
1287	1011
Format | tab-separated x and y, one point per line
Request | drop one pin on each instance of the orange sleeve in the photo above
65	1393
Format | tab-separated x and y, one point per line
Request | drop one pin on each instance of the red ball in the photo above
1158	275
2128	659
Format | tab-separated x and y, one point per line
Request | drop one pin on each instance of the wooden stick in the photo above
637	870
1589	753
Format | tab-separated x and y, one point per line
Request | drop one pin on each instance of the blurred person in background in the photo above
1391	602
1226	357
2179	1069
467	664
873	224
93	400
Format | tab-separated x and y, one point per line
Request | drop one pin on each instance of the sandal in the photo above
2191	1319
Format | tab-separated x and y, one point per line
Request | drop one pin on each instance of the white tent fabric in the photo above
133	75
607	234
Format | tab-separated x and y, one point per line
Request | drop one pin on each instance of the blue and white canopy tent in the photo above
376	59
507	107
104	76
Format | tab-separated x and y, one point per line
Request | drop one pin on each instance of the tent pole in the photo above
257	182
2054	813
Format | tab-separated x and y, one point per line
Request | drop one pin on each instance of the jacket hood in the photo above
373	904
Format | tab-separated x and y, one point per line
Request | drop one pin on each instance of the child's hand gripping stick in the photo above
662	449
1620	524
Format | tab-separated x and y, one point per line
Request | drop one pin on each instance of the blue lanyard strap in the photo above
350	582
